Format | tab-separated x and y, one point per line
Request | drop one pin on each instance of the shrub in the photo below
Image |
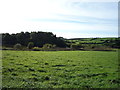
102	48
97	48
30	45
17	46
54	46
48	46
73	46
37	49
76	46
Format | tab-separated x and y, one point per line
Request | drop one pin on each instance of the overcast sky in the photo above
66	18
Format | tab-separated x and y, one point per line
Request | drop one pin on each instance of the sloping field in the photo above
60	69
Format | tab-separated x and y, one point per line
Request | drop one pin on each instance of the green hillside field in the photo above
60	69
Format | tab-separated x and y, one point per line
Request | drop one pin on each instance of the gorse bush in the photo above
97	48
102	48
76	46
17	46
48	46
30	45
36	49
73	46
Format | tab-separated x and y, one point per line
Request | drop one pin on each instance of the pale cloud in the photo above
97	0
67	18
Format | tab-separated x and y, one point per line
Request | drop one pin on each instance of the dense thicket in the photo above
38	38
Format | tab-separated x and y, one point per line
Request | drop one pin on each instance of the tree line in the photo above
48	41
37	38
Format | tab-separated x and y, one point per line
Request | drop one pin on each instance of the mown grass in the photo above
60	69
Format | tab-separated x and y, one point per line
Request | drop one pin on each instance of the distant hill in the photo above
110	41
91	38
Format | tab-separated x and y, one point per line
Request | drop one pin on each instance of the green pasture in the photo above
90	40
60	69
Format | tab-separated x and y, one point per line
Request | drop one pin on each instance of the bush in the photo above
73	46
17	46
76	46
48	47
30	45
97	48
102	48
37	49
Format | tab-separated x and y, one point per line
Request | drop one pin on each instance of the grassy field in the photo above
60	69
